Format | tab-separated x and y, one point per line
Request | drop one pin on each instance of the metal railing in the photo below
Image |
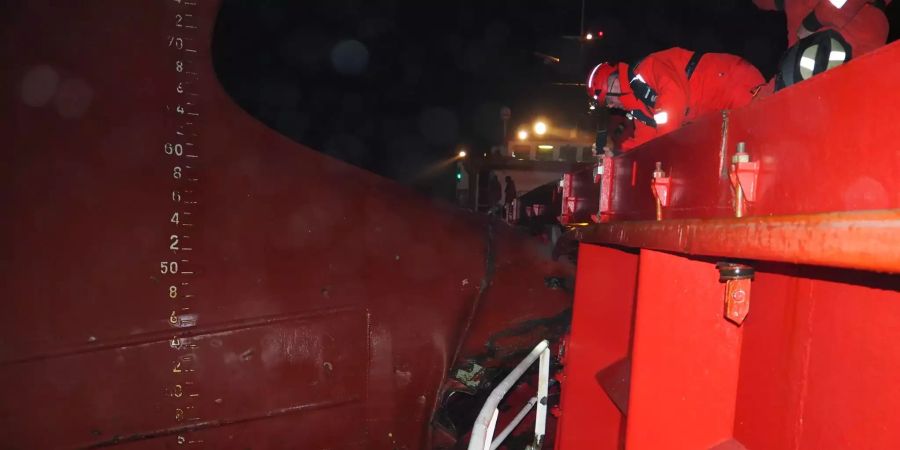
483	430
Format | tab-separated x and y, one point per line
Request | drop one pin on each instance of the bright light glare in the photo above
523	135
661	117
540	128
462	153
589	36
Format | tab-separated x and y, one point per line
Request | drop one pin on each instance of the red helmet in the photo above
597	85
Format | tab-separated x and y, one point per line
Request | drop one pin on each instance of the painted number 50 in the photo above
167	267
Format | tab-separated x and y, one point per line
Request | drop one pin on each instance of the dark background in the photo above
395	86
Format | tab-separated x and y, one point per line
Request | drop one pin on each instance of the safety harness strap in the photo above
642	91
642	117
692	64
811	22
823	52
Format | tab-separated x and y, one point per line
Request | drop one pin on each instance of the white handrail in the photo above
501	436
483	429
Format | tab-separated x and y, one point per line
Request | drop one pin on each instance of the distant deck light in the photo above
462	153
540	128
523	135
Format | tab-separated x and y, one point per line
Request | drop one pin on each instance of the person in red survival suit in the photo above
668	88
862	23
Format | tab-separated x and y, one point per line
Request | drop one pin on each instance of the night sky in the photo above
394	85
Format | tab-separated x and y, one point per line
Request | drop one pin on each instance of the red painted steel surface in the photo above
600	337
856	240
685	357
813	366
823	145
819	364
329	304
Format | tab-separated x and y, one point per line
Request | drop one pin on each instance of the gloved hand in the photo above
602	142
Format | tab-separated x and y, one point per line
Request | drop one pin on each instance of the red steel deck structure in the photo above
807	360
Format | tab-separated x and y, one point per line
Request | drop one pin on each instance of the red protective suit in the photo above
719	81
862	23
